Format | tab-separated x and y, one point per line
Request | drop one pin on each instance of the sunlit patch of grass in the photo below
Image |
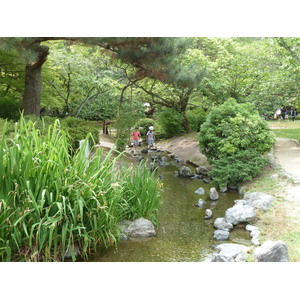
288	133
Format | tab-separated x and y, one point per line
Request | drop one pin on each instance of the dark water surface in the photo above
183	233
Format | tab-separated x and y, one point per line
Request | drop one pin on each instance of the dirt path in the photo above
287	153
185	148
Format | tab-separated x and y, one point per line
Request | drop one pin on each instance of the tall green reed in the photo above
51	201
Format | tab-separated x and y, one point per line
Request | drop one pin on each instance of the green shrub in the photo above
196	118
171	122
10	109
51	201
234	127
144	125
238	168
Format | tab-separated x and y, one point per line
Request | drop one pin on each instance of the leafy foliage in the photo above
170	121
51	201
237	168
231	128
196	118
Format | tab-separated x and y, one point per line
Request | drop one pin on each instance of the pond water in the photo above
183	233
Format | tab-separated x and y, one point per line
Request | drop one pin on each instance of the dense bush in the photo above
234	127
233	138
10	109
196	118
144	124
51	201
238	168
78	129
170	121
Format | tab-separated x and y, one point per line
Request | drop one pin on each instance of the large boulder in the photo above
240	213
221	235
141	228
272	251
185	172
213	194
220	223
259	200
230	253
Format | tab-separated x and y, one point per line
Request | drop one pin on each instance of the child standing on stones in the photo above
150	137
135	137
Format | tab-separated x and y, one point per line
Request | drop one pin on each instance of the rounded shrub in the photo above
10	109
196	117
234	127
171	122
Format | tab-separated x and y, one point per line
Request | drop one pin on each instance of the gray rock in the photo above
223	189
240	213
259	200
201	203
272	251
200	191
240	257
124	225
208	214
250	227
176	173
255	241
185	172
213	194
221	224
139	158
201	170
68	253
242	190
141	228
240	202
230	253
255	233
221	235
206	180
172	155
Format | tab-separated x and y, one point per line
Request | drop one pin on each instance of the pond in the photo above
183	233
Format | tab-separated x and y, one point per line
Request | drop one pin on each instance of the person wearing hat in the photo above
150	137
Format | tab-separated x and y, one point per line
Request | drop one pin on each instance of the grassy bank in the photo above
286	129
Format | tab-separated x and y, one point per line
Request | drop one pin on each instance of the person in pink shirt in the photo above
135	136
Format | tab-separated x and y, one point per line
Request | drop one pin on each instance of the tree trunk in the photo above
33	81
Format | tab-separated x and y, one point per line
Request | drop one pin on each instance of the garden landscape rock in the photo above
259	200
221	235
208	214
202	170
230	253
272	251
201	203
220	223
141	228
213	194
240	213
185	172
200	191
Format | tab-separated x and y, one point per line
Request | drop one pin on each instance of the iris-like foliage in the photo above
52	201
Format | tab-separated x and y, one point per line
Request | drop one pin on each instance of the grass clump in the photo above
52	201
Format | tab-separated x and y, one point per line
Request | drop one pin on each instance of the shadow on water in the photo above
183	233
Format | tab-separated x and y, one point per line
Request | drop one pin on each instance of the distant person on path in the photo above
150	137
278	114
135	137
286	115
293	114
